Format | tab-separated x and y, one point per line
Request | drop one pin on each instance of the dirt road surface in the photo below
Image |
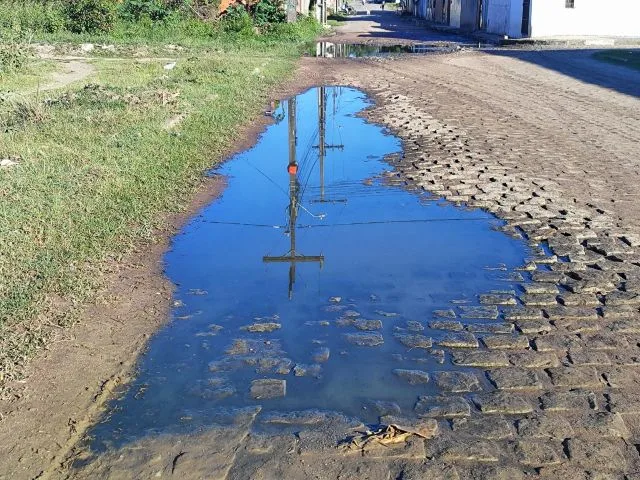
547	140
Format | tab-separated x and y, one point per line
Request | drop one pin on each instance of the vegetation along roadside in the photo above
88	169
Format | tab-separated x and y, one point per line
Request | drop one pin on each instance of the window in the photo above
569	4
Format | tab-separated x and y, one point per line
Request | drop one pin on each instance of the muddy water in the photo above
320	243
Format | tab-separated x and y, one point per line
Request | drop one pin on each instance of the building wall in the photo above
464	14
589	17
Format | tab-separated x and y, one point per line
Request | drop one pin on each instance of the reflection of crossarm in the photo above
294	258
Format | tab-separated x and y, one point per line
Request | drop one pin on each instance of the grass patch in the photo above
97	166
627	58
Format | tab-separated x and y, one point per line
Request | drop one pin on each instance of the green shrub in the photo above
90	16
14	52
32	15
237	20
268	11
156	10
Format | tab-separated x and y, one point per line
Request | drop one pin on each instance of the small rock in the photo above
457	382
267	388
414	377
364	339
87	47
262	327
414	341
321	355
362	324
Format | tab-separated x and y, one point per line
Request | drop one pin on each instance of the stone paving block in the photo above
541	288
562	312
601	425
579	300
618	297
442	407
480	358
545	425
504	342
589	358
414	340
625	358
513	378
266	388
547	276
575	377
452	325
600	454
624	402
497	299
604	341
625	326
448	313
523	313
457	382
541	326
534	359
462	449
626	378
488	312
497	328
413	377
557	343
576	326
620	312
568	471
538	453
580	400
538	300
490	428
428	470
503	402
588	286
458	340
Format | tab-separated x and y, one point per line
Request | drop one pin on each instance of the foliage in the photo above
238	20
268	11
156	10
31	16
89	16
14	52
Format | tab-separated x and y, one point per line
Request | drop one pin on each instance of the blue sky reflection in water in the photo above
384	249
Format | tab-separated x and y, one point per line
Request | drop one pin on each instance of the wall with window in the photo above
584	17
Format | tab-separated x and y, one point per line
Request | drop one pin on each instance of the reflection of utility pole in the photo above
322	144
294	190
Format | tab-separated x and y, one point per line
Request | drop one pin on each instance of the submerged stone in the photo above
382	408
414	341
321	355
489	312
362	324
262	327
266	388
457	382
364	339
302	370
414	377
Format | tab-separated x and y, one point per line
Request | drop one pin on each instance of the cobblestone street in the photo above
533	137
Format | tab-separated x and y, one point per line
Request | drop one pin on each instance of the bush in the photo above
268	11
237	20
14	52
90	16
31	15
156	10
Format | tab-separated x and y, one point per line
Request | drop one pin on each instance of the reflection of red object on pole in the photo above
292	169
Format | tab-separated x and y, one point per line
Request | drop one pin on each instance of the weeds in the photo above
14	52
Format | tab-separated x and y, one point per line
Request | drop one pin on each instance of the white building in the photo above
555	18
536	18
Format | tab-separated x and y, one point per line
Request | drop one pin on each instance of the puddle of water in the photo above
316	235
355	50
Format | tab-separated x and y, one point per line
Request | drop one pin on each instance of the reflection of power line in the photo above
323	146
351	224
292	257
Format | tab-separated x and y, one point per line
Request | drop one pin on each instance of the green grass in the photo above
98	167
625	57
